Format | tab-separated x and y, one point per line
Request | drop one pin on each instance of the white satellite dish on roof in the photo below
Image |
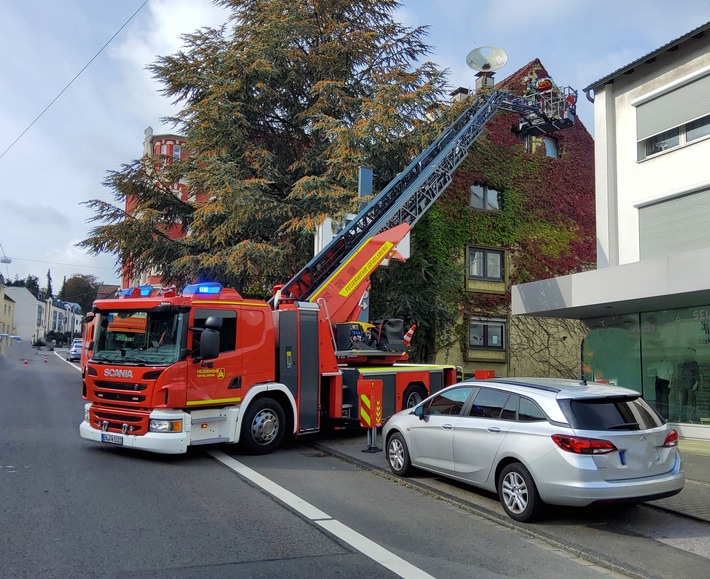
486	58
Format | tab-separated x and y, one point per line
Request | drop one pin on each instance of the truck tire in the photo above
263	426
413	395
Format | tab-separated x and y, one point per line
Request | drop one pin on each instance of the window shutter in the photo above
676	225
673	109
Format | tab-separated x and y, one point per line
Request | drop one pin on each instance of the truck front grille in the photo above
116	421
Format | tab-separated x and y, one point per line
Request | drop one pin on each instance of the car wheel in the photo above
518	494
413	395
398	455
263	426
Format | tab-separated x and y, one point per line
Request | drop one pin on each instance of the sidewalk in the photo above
693	501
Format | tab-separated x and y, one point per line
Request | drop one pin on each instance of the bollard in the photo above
45	359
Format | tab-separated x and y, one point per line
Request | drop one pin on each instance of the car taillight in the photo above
671	438
580	445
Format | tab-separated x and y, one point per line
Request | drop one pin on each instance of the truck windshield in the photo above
138	337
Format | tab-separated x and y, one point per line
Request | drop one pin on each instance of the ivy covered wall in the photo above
545	226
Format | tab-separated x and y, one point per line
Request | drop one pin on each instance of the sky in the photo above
64	124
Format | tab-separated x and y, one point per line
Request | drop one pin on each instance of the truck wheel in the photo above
413	395
263	426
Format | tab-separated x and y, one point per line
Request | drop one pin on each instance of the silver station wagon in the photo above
537	441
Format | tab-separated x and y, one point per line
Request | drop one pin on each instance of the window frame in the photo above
680	133
486	323
486	193
472	250
468	389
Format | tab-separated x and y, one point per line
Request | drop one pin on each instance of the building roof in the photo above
107	291
649	58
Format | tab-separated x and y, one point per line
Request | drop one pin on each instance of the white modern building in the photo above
29	313
648	302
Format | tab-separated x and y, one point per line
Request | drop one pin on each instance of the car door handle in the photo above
447	426
493	429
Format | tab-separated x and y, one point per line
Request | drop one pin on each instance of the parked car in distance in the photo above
74	351
538	441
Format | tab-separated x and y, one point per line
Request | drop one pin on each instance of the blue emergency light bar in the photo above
207	288
142	291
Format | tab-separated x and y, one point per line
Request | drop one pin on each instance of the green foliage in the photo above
545	225
80	289
425	289
280	106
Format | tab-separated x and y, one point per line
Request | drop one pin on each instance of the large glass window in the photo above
676	363
485	263
612	351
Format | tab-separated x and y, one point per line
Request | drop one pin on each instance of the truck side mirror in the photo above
209	344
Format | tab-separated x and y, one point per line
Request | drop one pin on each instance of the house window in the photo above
176	152
533	144
485	199
697	129
679	136
485	264
486	334
659	143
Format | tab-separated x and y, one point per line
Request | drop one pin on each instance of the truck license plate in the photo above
111	438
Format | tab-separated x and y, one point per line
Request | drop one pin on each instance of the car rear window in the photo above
618	413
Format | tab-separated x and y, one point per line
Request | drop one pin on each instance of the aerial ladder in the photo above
338	275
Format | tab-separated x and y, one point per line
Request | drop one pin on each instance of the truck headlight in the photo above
165	425
87	414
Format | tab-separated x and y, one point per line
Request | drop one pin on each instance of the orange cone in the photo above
409	335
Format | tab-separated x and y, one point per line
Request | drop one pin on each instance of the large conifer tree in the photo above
279	107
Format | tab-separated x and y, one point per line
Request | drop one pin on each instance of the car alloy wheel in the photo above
398	455
518	493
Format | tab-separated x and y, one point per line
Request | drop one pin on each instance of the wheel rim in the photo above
515	493
413	399
265	426
396	454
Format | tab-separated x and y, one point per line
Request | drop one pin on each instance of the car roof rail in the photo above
514	382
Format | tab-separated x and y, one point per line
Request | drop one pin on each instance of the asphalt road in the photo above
71	508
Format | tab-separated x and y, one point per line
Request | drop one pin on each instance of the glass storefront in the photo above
665	355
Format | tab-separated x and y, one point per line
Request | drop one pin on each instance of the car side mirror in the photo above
419	411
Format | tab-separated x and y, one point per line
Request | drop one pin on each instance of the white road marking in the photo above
67	361
353	538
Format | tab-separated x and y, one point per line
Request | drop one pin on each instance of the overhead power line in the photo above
72	80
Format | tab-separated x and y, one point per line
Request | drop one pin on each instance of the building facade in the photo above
520	208
170	147
647	306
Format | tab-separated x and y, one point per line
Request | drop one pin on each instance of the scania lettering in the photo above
113	373
162	371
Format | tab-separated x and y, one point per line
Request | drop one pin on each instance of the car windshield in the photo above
138	337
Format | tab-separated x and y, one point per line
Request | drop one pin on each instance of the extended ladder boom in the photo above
409	195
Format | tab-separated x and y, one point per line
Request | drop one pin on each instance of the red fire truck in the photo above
164	371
